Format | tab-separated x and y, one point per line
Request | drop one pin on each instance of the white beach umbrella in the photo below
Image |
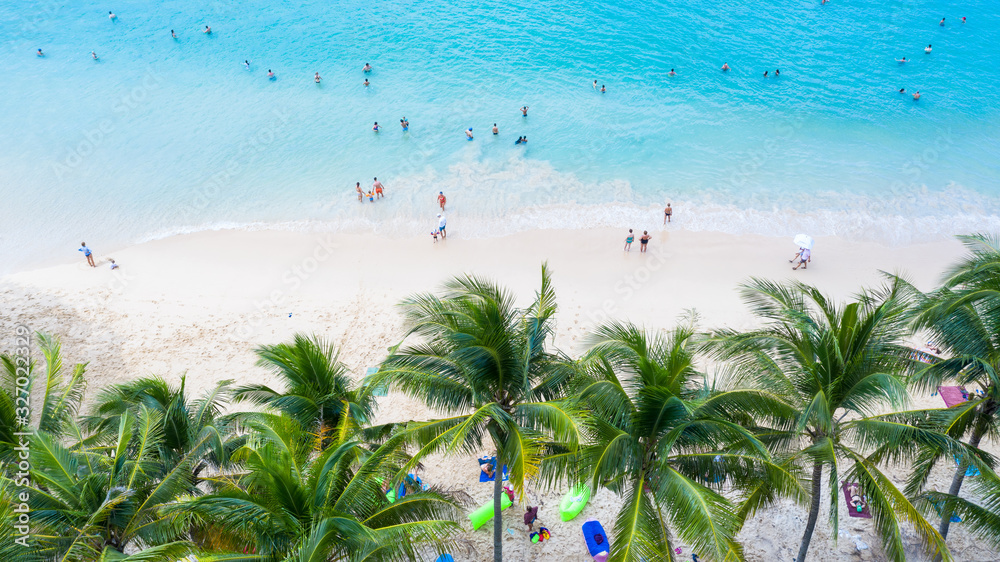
803	241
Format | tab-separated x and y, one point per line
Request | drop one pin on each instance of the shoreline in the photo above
196	305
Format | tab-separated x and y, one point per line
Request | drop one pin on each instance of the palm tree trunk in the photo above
956	486
817	489
497	512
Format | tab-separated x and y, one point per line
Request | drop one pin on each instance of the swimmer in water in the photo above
524	111
595	84
366	82
963	19
468	133
112	16
603	89
902	90
725	67
519	140
405	124
40	53
524	140
172	34
246	64
495	130
317	78
377	185
901	61
777	72
916	96
361	194
765	74
672	73
375	127
207	29
367	68
942	22
270	74
93	54
928	49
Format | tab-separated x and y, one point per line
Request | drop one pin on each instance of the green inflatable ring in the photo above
574	501
480	516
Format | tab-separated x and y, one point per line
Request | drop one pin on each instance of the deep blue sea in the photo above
163	135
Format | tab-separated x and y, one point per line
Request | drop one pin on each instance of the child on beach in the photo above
434	233
114	265
628	240
371	197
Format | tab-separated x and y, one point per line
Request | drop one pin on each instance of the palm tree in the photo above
666	443
60	397
483	359
963	318
835	367
290	503
91	499
318	388
187	424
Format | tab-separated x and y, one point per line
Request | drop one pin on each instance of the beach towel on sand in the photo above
482	475
852	509
597	540
953	395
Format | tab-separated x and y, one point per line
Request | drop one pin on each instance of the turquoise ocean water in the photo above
161	136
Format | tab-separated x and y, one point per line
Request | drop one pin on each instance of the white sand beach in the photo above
198	304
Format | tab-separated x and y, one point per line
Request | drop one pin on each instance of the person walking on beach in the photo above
361	194
378	186
804	256
530	516
643	241
628	240
667	213
86	252
441	200
442	224
524	111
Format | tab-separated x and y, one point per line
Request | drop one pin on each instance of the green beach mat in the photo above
480	516
574	501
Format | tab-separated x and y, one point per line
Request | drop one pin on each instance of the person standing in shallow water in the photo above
667	213
644	241
628	240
